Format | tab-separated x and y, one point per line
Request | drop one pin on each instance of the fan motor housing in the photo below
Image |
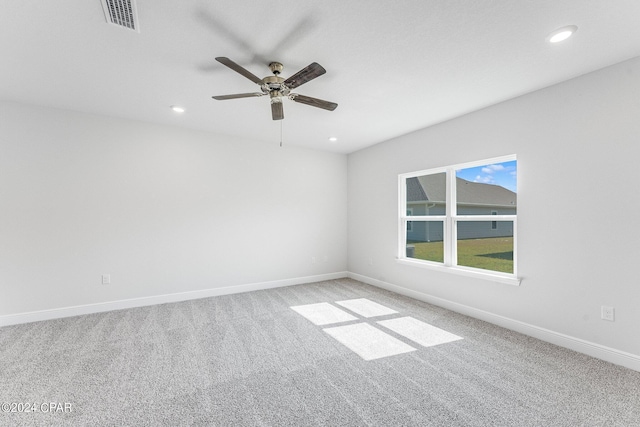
274	83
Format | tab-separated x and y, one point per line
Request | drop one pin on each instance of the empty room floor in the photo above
334	353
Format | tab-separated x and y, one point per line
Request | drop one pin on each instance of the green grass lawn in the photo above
495	253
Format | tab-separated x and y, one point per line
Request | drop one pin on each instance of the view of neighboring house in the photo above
426	195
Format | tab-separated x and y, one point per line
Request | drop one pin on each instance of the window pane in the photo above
426	195
483	190
424	240
480	245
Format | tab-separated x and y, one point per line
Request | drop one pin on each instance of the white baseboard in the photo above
57	313
608	354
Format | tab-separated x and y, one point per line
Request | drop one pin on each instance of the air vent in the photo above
121	13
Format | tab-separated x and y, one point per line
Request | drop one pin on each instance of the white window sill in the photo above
507	279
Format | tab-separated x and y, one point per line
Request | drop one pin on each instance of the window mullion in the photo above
450	232
486	217
434	218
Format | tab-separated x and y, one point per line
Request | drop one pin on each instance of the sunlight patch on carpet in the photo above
365	307
367	341
422	333
323	313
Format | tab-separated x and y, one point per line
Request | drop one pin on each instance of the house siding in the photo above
423	231
483	230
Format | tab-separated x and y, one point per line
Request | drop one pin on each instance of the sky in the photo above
503	174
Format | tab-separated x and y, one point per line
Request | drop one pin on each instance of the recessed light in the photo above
177	109
333	139
562	34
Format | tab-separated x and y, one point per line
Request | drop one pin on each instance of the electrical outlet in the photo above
106	279
608	313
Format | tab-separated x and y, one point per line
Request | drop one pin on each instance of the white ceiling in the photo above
392	66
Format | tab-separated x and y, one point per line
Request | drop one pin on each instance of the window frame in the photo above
450	221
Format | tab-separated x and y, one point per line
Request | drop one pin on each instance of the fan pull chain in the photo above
280	133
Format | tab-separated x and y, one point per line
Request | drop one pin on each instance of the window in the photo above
409	223
461	218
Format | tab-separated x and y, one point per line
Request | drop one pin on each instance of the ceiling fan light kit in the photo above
277	87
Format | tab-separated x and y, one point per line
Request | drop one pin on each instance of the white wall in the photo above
578	148
163	210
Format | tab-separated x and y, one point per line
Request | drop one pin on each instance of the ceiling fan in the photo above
277	87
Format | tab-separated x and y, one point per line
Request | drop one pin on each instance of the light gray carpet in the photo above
249	359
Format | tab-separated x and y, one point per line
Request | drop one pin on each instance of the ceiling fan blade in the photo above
277	112
310	72
239	69
237	95
315	102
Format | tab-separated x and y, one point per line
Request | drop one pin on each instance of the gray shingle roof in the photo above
432	188
415	192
